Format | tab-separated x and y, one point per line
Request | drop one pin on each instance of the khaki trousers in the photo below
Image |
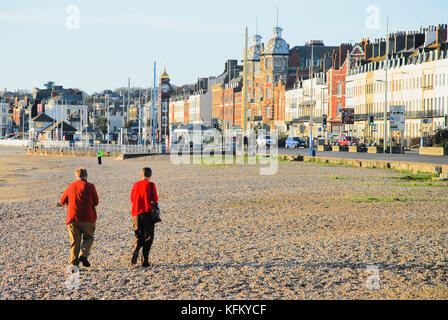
75	231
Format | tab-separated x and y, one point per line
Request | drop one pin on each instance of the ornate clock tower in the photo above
163	134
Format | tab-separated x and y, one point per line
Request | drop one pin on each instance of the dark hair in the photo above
147	172
81	173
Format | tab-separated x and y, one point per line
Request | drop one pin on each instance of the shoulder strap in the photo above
152	193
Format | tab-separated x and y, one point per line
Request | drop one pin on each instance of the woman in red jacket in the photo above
143	198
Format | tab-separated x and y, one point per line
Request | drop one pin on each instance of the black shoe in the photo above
134	257
145	264
84	262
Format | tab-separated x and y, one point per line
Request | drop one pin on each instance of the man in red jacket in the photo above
143	198
81	199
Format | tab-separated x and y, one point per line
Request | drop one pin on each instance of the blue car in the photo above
295	142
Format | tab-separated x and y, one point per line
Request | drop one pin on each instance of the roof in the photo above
42	118
277	46
254	51
66	127
67	97
165	75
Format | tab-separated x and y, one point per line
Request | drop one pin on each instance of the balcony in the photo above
429	114
305	119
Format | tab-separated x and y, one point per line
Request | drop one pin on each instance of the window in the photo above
339	89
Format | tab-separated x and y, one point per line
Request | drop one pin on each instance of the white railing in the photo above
86	147
15	143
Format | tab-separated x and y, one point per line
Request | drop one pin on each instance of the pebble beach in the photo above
308	232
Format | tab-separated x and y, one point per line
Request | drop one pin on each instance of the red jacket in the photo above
141	197
81	198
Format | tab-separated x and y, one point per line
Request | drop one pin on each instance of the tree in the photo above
101	125
440	138
49	85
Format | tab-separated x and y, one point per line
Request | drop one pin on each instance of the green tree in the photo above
101	126
49	85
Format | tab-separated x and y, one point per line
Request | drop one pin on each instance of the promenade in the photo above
410	156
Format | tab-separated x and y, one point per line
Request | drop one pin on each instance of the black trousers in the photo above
99	160
144	233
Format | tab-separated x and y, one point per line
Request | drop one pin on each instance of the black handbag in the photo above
155	210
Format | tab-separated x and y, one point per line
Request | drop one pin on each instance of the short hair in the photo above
81	173
147	172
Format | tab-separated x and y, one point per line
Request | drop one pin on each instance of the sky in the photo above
97	45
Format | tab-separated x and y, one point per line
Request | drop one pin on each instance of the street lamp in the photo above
385	112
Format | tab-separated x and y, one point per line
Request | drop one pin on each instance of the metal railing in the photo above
428	114
88	147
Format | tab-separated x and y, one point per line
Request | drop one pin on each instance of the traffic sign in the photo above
397	118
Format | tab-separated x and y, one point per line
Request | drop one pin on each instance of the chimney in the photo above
391	40
430	35
343	48
442	32
335	60
382	47
410	41
368	49
376	48
400	41
419	39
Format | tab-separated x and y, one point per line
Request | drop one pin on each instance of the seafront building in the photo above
68	105
294	89
4	117
417	80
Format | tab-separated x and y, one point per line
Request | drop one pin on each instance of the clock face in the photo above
165	88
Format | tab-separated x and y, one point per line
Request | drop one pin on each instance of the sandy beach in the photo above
308	232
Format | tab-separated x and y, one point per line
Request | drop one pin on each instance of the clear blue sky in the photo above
118	39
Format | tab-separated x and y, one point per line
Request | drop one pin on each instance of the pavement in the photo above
410	156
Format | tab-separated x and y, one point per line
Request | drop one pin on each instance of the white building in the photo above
298	107
178	107
194	112
419	83
4	121
293	98
73	112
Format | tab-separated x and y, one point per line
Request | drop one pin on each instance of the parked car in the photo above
295	142
348	141
265	141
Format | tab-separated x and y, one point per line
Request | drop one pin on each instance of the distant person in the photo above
100	156
81	199
144	198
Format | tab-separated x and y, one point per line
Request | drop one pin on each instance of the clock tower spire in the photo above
164	112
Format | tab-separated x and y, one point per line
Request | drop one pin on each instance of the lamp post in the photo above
385	114
107	118
311	105
385	111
